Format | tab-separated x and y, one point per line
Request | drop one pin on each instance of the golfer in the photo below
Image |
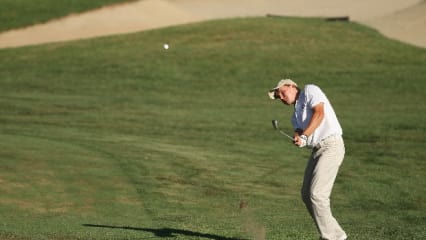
316	126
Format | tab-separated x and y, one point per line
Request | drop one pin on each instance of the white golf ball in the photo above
166	46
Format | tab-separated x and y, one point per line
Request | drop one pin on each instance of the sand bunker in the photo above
404	20
407	25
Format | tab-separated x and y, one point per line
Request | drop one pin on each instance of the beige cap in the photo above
282	82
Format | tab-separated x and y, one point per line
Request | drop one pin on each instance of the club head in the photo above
275	124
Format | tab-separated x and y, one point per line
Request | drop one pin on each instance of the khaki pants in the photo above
320	174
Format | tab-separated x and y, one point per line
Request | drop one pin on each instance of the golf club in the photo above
275	125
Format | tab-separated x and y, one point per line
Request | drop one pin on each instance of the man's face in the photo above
287	94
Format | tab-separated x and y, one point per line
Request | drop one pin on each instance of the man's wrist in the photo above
299	131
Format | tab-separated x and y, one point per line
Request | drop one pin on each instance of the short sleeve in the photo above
314	95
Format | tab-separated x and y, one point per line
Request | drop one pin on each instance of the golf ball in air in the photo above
166	46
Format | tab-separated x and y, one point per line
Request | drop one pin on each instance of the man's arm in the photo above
317	117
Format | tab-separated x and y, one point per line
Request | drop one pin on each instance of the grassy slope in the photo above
21	13
116	138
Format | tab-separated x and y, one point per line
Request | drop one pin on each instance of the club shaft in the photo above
285	134
275	125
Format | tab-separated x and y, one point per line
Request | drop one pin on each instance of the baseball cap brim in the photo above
272	93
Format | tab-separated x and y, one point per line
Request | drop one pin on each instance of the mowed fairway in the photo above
118	138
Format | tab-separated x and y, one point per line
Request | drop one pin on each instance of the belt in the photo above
324	140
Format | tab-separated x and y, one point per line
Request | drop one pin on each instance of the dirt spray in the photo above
250	225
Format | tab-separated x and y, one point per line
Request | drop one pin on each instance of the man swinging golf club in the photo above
316	126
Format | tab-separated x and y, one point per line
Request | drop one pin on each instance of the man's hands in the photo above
300	140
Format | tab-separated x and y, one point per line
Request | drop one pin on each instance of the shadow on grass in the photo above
167	232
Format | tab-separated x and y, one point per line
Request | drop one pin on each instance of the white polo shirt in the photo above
310	96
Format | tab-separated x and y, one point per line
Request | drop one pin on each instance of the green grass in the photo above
117	138
21	13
